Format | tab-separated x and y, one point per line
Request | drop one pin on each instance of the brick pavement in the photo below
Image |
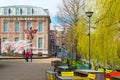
18	69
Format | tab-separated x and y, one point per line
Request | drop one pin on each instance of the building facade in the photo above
15	19
53	37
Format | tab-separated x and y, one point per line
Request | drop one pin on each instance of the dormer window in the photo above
5	11
21	11
9	11
17	11
32	11
28	11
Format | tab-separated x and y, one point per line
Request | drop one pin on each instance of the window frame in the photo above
16	39
5	11
17	28
40	43
5	39
5	27
17	11
28	25
40	27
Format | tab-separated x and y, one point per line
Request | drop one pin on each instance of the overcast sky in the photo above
52	5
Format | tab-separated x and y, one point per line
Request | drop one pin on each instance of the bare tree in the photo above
70	12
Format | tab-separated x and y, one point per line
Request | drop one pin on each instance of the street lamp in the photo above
89	15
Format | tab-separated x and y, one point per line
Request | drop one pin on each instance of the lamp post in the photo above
89	15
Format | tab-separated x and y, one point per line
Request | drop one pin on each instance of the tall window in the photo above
28	11
16	39
17	11
28	25
40	27
5	27
4	39
5	11
16	26
40	42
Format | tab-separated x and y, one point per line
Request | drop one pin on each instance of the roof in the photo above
18	6
37	10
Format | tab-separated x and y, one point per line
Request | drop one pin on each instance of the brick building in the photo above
53	35
15	19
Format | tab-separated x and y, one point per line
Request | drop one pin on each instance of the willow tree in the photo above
104	39
107	28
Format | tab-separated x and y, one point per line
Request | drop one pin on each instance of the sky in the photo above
51	5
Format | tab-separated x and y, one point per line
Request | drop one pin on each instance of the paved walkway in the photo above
18	69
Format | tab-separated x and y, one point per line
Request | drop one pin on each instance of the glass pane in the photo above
5	27
4	39
40	27
40	43
16	26
28	25
5	11
17	11
28	11
16	39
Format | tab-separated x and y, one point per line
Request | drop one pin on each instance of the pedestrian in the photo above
26	55
55	54
23	53
31	54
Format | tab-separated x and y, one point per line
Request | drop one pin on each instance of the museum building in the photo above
15	19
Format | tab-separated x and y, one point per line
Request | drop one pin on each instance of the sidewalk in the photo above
18	69
18	57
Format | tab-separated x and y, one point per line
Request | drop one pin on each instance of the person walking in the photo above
26	55
23	53
31	54
55	54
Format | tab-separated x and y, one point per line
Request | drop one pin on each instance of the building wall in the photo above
23	19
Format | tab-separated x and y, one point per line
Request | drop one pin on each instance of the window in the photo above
21	11
28	25
17	11
9	11
5	11
5	27
40	27
16	39
16	26
28	11
32	11
40	41
4	39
